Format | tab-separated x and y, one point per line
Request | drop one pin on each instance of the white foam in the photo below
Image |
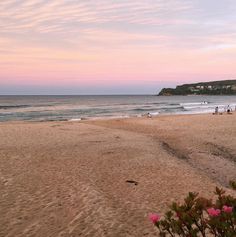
75	119
194	103
154	113
198	107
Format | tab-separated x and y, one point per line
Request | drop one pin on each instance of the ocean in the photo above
64	108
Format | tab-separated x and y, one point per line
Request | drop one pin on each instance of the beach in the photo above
70	178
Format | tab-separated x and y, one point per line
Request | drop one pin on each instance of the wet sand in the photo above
69	178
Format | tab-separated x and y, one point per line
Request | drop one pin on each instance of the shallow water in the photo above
56	108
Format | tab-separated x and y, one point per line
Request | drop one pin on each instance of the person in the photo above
216	110
149	115
228	109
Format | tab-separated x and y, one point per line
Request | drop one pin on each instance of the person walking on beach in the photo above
216	110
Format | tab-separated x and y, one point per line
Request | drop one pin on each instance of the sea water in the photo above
61	108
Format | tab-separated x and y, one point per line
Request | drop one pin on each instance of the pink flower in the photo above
213	212
227	209
154	218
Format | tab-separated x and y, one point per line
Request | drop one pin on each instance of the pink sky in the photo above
131	46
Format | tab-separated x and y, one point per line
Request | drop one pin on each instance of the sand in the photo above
69	178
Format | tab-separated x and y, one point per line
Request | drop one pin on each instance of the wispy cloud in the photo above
129	38
70	16
66	20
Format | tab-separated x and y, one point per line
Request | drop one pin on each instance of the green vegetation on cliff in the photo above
226	87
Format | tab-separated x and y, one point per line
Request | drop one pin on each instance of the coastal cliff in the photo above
226	87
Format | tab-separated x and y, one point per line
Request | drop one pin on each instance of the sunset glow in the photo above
106	47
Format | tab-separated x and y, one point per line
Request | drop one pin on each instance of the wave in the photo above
198	108
76	108
13	106
75	119
171	107
5	107
154	113
195	103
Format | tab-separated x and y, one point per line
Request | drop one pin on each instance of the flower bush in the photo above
199	216
232	184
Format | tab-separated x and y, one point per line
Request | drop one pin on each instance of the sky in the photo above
114	46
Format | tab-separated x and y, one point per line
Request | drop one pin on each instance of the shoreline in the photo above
118	117
90	108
